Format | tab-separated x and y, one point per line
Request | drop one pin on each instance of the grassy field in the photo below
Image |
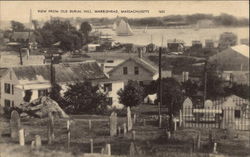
150	140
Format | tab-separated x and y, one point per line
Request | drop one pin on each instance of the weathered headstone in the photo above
187	110
102	151
209	115
113	124
91	145
160	121
198	140
108	149
38	142
132	150
32	144
119	130
51	135
187	103
134	119
215	148
208	104
15	124
124	128
129	119
21	137
68	139
133	135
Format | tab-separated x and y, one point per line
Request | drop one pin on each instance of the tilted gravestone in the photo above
113	124
129	119
15	124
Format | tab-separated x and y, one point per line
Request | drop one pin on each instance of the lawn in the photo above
150	140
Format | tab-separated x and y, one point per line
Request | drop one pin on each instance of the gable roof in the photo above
145	65
63	72
242	49
233	58
22	35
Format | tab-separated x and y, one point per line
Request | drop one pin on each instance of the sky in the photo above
20	10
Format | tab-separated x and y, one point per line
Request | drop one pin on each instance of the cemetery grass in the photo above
150	140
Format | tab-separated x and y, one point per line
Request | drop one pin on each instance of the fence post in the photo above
90	125
21	137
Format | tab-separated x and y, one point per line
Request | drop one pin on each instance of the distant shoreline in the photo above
178	27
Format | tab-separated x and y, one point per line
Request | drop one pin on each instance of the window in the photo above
42	92
237	113
136	70
125	70
13	104
110	61
108	87
7	88
110	101
6	103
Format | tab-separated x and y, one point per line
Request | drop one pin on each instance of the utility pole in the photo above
205	83
160	84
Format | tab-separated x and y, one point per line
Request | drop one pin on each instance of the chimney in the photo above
103	67
140	53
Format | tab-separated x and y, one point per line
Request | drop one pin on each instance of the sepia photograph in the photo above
124	78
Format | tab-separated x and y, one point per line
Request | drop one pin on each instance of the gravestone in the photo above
208	104
15	124
113	124
38	141
129	119
132	149
187	103
228	120
187	109
21	137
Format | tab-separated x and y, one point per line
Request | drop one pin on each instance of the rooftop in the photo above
63	72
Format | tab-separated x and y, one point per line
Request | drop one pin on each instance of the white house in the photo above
134	69
17	81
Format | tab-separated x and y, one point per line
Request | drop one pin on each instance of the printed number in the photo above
161	11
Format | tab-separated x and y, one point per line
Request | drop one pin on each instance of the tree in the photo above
190	88
17	26
132	94
56	30
215	88
85	28
83	97
172	97
35	24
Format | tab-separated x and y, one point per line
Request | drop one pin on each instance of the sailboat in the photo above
145	30
114	26
123	29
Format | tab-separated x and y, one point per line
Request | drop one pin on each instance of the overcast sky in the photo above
20	10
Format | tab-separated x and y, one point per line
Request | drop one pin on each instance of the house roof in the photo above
21	35
63	72
233	58
3	71
150	68
242	49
